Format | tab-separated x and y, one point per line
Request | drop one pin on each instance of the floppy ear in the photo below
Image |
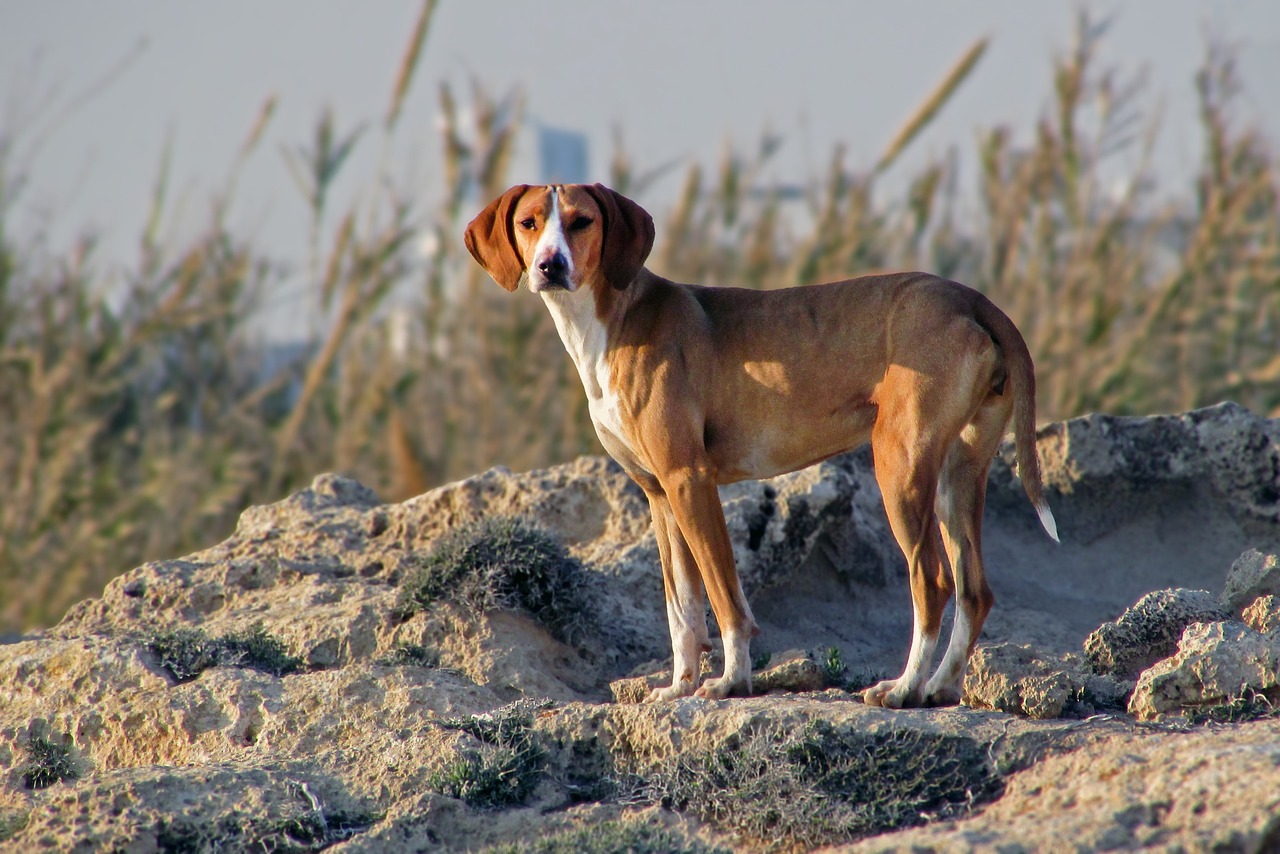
491	242
628	235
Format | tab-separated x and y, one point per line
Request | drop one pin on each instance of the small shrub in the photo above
257	650
507	767
48	762
503	726
302	828
12	822
411	654
489	779
825	786
500	562
1249	706
186	653
895	778
635	837
833	666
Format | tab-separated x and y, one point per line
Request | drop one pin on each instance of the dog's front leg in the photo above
686	604
695	506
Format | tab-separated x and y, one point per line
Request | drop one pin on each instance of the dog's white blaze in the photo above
552	240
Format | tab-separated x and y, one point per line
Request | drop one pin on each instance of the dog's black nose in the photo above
554	266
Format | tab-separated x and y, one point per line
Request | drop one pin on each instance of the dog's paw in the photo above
722	687
670	692
946	695
891	694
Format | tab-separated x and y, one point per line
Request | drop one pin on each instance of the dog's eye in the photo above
527	224
580	223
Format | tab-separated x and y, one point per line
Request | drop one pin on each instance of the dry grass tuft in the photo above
302	824
506	767
609	837
49	761
500	562
824	786
186	653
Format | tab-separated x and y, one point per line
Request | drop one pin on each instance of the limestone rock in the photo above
1149	631
795	672
632	690
1253	574
1112	464
1208	790
1017	678
1216	663
351	749
1263	615
830	512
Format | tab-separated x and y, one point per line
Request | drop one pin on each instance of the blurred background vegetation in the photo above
138	419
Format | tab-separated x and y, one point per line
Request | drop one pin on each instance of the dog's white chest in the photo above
586	339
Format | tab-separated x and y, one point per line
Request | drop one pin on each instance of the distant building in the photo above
562	156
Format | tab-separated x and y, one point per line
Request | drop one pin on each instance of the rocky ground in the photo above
364	676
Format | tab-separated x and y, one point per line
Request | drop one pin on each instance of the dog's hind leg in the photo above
908	446
686	603
962	490
908	500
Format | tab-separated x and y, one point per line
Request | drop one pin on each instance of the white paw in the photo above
722	687
891	694
671	692
942	695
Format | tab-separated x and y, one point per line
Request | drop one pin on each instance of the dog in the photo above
690	387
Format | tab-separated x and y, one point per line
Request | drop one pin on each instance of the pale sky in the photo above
91	91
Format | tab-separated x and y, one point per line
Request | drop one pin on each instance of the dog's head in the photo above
561	236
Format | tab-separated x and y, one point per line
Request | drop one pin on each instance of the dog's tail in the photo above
1022	379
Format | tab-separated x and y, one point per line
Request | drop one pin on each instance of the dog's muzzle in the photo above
552	272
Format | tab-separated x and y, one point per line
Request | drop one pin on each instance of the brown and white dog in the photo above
690	387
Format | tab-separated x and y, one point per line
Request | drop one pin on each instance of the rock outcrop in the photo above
1263	615
1126	792
1018	678
1216	665
1252	576
275	692
1149	631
